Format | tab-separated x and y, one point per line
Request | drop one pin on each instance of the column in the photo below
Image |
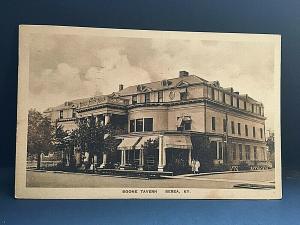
104	160
161	154
141	160
122	159
190	157
106	118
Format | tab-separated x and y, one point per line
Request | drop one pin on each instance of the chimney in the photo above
183	73
121	87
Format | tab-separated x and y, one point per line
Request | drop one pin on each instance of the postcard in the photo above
140	114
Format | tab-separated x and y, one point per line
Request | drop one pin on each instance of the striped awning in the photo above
128	143
143	140
182	142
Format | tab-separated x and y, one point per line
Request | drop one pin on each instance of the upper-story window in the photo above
261	133
147	97
184	123
160	96
252	108
224	125
254	135
224	97
73	113
238	103
246	130
232	127
148	124
132	125
213	123
239	128
134	99
183	94
61	114
231	100
139	125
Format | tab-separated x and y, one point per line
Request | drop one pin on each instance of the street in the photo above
216	181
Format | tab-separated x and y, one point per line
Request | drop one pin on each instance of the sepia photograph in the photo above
140	114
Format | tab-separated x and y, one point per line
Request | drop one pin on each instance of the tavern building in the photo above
191	118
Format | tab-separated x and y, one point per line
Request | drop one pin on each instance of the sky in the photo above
65	67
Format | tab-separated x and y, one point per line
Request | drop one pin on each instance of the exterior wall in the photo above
236	118
195	111
68	125
159	115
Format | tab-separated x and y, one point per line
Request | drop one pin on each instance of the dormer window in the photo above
183	94
147	97
134	99
166	83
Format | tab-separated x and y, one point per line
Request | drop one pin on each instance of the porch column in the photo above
141	159
161	154
190	157
106	118
122	159
104	160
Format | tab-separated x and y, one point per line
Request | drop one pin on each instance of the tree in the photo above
39	136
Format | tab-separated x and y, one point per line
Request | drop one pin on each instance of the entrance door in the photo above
177	160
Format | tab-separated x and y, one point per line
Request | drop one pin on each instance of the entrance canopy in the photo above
144	140
128	143
182	142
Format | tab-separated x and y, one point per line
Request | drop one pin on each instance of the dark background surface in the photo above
247	16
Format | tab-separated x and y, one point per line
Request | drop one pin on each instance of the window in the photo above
132	125
231	100
255	152
183	94
224	98
134	99
259	110
254	132
246	130
245	105
220	151
148	124
239	129
147	97
73	113
238	103
212	94
61	114
247	149
252	108
184	123
224	125
234	151
241	151
139	125
232	127
213	123
160	96
261	133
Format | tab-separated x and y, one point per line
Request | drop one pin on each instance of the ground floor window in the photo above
241	151
234	152
247	149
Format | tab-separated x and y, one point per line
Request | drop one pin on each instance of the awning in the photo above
128	143
182	142
143	140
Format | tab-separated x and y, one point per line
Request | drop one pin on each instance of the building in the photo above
191	118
